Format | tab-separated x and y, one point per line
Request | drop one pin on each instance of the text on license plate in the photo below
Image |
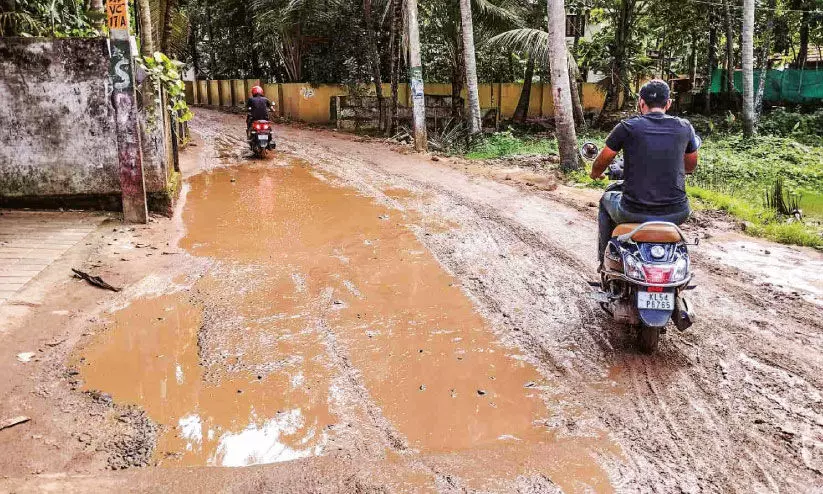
655	300
263	137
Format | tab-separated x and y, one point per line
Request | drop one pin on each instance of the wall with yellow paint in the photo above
202	93
307	103
214	93
272	92
225	93
238	92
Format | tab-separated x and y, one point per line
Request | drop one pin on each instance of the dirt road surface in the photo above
344	316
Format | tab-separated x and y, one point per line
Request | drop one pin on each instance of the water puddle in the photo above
150	358
309	273
787	268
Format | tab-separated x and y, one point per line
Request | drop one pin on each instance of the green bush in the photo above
805	127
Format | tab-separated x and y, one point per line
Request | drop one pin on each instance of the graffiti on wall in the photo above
306	92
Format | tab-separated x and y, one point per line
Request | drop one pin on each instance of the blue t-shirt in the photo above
653	147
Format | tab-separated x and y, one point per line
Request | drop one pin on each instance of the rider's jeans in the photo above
612	214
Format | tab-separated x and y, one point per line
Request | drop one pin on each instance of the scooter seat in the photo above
663	234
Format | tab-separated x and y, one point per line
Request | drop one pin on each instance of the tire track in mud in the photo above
733	404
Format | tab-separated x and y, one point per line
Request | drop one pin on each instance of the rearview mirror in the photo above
589	151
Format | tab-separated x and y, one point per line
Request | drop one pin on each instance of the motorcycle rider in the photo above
658	151
257	107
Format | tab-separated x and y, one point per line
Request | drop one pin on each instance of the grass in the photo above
504	144
733	176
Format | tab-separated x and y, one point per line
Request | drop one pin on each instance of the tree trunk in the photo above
711	63
374	61
620	72
522	110
803	53
693	60
559	67
212	51
195	59
747	49
416	78
98	7
254	54
146	33
458	73
577	104
729	49
764	62
470	63
168	18
397	18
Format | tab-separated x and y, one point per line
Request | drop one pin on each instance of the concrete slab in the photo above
31	240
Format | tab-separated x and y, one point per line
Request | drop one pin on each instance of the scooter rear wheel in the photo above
648	339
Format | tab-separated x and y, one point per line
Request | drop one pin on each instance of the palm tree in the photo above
395	45
561	92
475	124
747	48
374	59
729	48
146	28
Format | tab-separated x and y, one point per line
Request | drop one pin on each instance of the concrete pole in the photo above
121	72
416	78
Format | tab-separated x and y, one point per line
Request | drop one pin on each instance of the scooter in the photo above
260	138
646	272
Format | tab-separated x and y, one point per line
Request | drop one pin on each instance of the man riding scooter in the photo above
257	107
658	151
258	127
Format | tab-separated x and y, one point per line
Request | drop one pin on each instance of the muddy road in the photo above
342	316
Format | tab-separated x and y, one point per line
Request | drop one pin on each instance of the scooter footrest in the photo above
599	296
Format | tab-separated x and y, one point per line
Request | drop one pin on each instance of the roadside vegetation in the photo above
773	182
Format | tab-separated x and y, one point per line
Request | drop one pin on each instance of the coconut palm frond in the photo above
179	32
20	24
524	40
495	14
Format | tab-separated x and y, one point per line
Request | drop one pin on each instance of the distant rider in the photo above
258	107
658	151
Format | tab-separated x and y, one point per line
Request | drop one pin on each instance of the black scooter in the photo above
646	272
261	138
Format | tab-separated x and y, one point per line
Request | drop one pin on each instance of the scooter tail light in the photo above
658	274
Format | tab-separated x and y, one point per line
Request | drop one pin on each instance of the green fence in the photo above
788	85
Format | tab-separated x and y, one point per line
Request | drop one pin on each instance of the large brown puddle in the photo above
240	368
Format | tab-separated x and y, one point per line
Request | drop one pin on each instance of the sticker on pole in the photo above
416	76
117	15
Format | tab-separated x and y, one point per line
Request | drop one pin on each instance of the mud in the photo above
233	369
430	322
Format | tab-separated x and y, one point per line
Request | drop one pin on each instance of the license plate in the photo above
655	300
262	138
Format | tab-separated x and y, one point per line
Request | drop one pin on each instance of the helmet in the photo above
257	91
